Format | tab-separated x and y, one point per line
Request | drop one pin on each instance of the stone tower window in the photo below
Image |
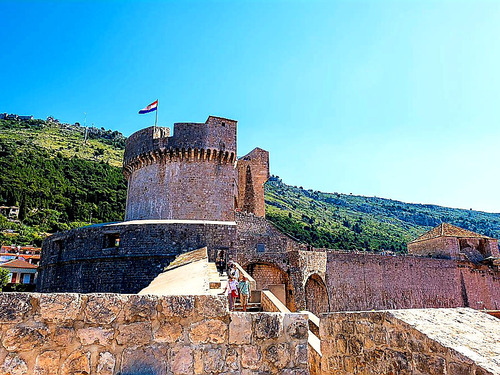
111	240
261	248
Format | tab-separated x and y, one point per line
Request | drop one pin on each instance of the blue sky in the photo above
396	99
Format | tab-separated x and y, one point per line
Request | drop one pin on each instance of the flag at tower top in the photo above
150	108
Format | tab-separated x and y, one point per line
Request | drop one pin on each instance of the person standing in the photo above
244	287
231	292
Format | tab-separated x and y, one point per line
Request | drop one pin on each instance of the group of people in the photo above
237	285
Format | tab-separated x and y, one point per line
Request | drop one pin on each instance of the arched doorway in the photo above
270	276
316	295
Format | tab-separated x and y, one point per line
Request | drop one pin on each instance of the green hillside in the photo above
61	182
343	221
58	180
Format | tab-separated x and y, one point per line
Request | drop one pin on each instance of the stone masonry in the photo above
431	341
108	334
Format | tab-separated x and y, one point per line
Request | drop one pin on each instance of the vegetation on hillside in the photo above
341	221
57	180
61	182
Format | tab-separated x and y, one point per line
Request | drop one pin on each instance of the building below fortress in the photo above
188	190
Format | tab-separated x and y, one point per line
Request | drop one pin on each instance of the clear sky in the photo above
397	99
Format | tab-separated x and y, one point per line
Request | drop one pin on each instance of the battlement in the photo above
212	140
189	175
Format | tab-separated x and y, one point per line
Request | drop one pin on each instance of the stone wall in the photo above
130	334
445	247
253	172
357	282
432	341
85	260
182	188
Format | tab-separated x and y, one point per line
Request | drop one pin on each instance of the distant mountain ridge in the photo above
61	182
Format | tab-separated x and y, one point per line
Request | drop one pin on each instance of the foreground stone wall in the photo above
130	334
81	260
432	341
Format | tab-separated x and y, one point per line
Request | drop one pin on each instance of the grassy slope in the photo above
61	182
357	222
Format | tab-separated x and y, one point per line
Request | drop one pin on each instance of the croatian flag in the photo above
150	108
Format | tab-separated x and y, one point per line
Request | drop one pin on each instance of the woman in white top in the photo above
231	292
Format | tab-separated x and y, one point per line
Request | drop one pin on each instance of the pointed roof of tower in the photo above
448	230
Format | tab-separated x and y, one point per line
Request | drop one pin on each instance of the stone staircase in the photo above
253	305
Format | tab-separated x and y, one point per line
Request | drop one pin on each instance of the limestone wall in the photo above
130	334
446	247
432	341
357	282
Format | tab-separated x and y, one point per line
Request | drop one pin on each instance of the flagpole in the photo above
156	117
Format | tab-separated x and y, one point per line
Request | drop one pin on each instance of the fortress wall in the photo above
482	287
253	172
182	189
441	246
357	282
430	341
85	260
130	334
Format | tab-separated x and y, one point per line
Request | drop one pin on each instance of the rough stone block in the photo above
213	360
278	355
208	331
139	307
240	328
177	306
211	306
63	336
14	365
60	307
77	362
268	326
143	360
168	333
95	335
14	307
251	357
182	360
138	333
103	308
47	363
296	326
106	364
25	337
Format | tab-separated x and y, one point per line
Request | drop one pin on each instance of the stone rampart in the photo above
123	257
110	334
253	172
431	341
357	282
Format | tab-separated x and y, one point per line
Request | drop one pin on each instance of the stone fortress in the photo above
188	190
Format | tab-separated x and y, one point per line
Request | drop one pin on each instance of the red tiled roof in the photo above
448	230
18	263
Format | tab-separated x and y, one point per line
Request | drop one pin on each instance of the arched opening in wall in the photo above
271	277
316	295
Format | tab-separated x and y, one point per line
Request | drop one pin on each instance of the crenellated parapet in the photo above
164	155
214	140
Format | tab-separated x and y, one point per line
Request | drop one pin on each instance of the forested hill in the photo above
60	182
341	221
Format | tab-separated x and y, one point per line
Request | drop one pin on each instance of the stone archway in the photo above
268	276
316	295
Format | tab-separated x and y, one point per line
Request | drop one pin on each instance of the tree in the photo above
4	277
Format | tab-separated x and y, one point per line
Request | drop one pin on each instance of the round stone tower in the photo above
190	175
